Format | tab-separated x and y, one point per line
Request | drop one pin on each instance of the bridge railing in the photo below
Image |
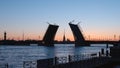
30	64
82	59
73	58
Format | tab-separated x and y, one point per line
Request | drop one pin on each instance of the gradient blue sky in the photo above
100	18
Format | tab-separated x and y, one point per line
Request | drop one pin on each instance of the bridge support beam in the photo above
48	39
78	36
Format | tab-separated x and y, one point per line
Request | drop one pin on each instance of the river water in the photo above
14	56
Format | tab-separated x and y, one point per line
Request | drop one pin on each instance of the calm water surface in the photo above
16	55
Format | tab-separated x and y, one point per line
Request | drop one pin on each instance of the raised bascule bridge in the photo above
48	39
79	40
78	36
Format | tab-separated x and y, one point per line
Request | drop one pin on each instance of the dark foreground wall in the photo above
88	63
45	63
111	64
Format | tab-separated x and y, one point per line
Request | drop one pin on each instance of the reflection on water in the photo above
64	50
16	55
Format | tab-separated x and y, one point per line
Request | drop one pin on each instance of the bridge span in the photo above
80	40
102	42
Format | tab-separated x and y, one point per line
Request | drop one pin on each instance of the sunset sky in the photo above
99	18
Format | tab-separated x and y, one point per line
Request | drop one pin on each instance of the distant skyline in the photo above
99	18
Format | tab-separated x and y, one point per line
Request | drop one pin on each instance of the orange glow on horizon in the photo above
91	35
59	38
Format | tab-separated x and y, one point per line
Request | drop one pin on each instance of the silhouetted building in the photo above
49	36
5	36
78	36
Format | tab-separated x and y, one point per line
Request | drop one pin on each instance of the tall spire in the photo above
64	38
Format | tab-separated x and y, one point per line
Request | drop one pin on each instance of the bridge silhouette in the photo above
79	39
49	36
